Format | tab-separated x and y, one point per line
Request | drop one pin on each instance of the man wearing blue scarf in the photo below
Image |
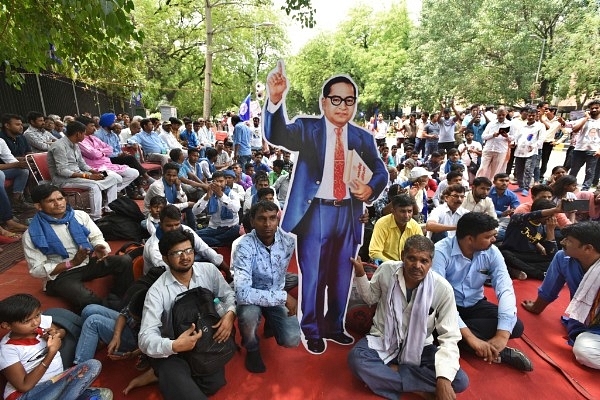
65	248
223	205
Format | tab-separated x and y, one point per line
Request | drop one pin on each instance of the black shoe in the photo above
254	362
315	346
340	338
516	359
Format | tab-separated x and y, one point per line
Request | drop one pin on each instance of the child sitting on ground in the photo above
30	358
157	203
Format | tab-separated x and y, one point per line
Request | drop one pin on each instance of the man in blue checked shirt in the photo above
466	261
260	262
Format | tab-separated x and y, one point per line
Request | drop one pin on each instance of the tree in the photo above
371	50
70	34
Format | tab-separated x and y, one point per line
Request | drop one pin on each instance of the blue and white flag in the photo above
245	109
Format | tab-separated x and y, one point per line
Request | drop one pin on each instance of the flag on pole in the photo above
245	109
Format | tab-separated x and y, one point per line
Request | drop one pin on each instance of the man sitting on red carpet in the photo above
577	265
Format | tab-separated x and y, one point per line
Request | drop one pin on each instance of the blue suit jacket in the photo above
307	136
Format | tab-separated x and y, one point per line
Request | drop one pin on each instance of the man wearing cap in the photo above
417	183
154	147
323	211
443	219
171	138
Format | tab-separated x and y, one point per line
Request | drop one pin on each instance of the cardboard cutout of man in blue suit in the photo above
327	226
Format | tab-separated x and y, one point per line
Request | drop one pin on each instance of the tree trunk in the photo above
207	105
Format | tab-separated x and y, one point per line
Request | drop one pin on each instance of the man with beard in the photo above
156	337
577	266
466	261
477	199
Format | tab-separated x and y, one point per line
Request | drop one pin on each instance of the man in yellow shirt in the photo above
391	231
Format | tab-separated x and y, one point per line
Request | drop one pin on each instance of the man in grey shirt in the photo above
68	170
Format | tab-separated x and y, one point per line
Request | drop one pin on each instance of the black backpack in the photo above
197	306
124	223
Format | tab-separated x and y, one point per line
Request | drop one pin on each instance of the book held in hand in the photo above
356	168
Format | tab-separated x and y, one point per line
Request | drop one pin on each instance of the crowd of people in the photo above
446	225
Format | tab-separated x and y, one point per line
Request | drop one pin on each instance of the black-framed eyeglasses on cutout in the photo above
337	100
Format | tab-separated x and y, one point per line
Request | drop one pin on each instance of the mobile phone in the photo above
104	173
118	353
504	131
575	205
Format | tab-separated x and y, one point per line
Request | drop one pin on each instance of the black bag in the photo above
124	223
197	306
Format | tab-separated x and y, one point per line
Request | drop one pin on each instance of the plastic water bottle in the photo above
219	307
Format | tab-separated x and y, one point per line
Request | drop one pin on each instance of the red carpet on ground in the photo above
294	374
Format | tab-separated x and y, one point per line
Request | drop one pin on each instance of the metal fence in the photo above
55	94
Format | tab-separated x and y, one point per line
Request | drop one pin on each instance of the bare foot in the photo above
14	226
144	379
9	234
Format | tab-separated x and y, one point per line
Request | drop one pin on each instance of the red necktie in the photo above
339	187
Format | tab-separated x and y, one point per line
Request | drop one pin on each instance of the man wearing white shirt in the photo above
552	125
442	221
497	135
529	139
223	205
587	143
381	130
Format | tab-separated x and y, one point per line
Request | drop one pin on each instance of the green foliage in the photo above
489	50
84	33
371	50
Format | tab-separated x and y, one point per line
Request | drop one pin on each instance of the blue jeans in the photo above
524	170
285	327
221	236
243	160
73	384
366	365
580	158
430	147
99	324
420	147
19	177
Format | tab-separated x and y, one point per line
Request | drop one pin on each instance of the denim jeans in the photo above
286	328
99	324
73	384
19	177
524	170
221	236
430	147
420	147
243	160
366	365
580	158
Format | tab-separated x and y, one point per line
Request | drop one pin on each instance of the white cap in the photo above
418	172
